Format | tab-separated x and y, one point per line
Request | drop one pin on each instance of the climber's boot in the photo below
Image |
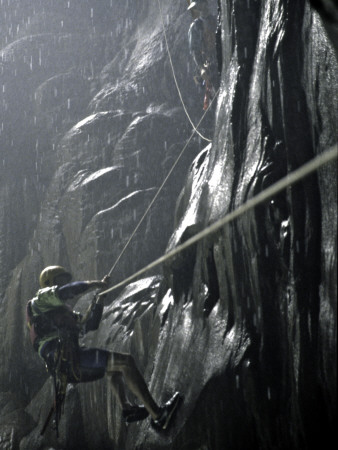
167	412
134	414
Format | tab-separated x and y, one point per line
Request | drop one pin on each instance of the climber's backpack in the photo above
45	323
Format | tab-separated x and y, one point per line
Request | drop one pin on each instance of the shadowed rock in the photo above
242	323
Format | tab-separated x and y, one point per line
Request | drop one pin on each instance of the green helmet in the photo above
49	274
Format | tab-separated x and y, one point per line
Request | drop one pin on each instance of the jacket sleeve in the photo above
71	290
94	318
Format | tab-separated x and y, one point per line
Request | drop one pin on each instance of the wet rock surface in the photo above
242	323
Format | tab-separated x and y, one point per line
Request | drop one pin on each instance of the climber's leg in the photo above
125	365
118	389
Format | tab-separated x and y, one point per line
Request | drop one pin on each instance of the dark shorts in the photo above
92	364
89	363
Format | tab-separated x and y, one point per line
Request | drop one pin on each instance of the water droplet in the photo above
269	393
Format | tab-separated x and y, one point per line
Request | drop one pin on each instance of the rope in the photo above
265	195
175	79
195	130
159	190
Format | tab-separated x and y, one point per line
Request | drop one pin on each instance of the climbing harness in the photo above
60	388
288	180
64	367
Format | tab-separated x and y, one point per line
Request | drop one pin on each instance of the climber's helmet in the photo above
198	5
54	276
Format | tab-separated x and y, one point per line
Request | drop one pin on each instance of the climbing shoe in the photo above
135	414
167	412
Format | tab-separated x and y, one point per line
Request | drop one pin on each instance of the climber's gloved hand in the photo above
105	280
98	284
103	285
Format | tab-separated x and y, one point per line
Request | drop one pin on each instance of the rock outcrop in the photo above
243	323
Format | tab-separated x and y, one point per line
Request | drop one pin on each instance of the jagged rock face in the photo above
243	323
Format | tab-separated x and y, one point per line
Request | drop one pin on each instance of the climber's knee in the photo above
120	362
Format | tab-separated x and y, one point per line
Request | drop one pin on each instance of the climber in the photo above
54	332
202	46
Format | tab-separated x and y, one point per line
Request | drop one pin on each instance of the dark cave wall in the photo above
243	323
275	113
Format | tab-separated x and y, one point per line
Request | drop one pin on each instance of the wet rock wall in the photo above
243	323
90	126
